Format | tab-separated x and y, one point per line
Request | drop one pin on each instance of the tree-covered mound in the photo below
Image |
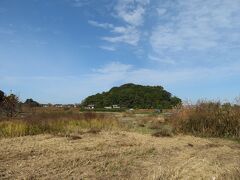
31	103
134	96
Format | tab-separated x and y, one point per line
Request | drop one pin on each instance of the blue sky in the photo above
61	51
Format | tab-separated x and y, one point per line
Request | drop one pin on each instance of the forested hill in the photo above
134	96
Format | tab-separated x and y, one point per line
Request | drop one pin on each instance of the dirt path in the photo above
118	155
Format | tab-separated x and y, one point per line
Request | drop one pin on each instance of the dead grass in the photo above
118	155
208	119
57	123
73	145
164	131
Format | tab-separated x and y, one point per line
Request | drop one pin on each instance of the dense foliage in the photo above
31	103
134	96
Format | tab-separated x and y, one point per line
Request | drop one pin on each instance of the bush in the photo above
10	105
208	119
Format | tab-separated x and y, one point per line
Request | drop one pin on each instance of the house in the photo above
115	107
109	107
58	105
68	106
90	107
46	105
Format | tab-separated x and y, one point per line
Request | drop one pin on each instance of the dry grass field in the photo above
118	155
60	144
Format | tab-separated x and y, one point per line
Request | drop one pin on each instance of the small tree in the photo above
1	97
10	105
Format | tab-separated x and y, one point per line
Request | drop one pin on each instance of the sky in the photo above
61	51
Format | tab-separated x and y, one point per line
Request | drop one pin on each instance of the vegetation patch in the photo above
208	119
58	124
134	96
164	131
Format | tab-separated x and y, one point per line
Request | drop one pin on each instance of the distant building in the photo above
90	107
109	107
115	107
45	105
68	106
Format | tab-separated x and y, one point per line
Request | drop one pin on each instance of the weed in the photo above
208	119
54	123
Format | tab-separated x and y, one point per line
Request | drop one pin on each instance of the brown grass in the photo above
73	145
57	123
164	131
208	119
118	155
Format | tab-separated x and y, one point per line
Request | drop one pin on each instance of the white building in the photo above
115	107
90	107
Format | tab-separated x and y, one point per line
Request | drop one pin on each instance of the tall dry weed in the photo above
208	119
57	123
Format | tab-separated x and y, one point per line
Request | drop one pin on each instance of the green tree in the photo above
134	96
31	103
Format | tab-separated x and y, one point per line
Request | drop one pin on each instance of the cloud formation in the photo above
171	28
196	25
108	48
131	13
100	25
119	72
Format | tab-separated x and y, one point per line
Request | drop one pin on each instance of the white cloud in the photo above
118	72
127	35
196	25
120	29
100	25
108	48
131	12
161	11
161	60
114	67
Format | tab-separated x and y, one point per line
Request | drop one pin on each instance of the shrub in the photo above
9	105
208	119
